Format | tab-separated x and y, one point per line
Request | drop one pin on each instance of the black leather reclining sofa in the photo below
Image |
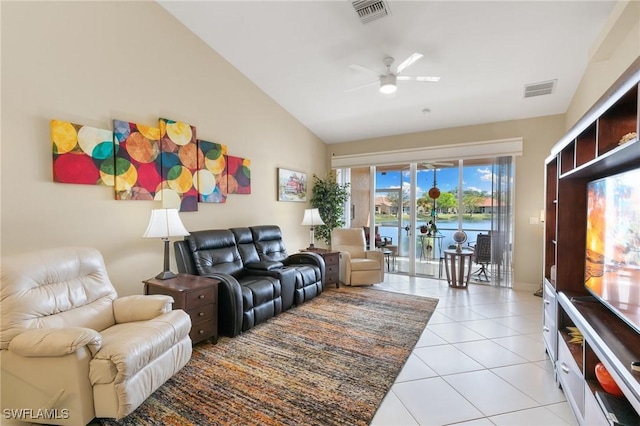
258	279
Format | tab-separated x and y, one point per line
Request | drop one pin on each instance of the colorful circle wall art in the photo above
82	154
238	175
165	163
211	178
179	161
137	169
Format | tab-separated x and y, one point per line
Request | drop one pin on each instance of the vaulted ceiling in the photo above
301	53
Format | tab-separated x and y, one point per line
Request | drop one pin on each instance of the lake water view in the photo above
471	228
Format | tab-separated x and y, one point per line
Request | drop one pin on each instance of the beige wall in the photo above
91	62
539	135
614	51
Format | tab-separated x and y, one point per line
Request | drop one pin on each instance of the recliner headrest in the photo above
266	233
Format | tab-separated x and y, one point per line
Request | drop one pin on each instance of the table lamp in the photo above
165	223
312	218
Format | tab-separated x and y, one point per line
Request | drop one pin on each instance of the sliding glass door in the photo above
417	207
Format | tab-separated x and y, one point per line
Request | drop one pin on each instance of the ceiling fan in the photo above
388	80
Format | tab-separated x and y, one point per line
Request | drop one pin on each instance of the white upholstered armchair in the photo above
358	266
74	350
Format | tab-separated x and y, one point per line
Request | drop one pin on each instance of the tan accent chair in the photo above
71	350
358	266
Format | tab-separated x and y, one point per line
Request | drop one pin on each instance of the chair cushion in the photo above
127	348
365	265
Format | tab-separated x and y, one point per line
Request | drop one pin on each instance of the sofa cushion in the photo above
268	242
307	274
246	247
215	251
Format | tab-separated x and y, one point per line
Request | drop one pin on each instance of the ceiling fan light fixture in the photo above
388	84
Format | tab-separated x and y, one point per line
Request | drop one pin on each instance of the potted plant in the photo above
329	198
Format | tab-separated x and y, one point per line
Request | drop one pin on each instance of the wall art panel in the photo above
82	154
238	175
179	161
137	166
211	177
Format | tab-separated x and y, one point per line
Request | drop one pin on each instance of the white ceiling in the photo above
299	52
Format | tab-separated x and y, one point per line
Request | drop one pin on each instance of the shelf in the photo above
610	338
586	146
575	349
614	160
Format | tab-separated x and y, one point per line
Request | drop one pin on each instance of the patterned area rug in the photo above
328	362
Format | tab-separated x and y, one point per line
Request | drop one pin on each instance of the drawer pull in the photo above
545	328
564	368
200	331
201	296
200	314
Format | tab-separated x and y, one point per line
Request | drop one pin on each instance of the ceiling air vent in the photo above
370	10
539	89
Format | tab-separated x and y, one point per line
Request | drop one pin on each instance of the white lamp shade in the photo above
165	223
312	218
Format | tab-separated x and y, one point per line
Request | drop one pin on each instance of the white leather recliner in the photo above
71	350
358	266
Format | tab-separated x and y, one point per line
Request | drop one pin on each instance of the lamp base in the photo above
165	275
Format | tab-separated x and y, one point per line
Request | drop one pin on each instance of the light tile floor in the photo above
479	361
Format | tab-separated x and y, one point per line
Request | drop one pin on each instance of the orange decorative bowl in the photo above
606	381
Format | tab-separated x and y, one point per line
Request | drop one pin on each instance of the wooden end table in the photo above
331	265
197	296
454	265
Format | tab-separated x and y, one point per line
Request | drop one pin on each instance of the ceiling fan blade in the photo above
363	69
422	78
360	86
408	62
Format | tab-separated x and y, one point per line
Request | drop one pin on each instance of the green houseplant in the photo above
329	198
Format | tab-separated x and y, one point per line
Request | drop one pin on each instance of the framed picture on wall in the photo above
292	185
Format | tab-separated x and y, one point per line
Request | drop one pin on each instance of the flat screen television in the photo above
612	272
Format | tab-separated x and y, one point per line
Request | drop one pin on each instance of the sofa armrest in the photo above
307	258
184	258
345	267
375	254
50	342
140	308
230	307
264	265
